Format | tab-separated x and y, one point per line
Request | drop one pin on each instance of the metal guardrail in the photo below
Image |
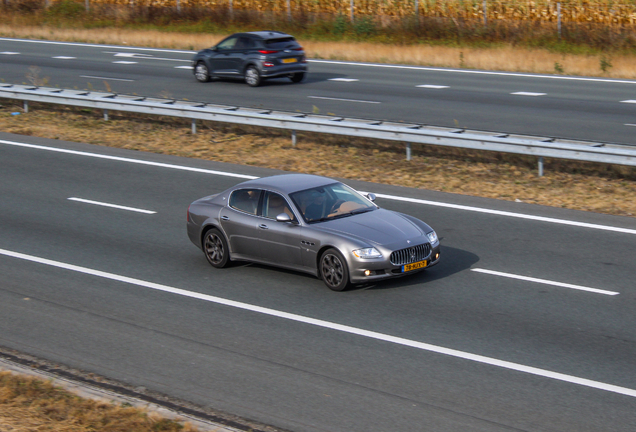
407	133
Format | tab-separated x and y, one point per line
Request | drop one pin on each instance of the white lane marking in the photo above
629	124
124	62
119	47
629	101
64	58
431	86
475	72
544	281
183	67
112	205
509	214
9	53
343	79
129	160
334	326
145	57
389	197
528	94
128	54
343	100
106	78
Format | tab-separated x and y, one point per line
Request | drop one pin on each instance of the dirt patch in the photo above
575	185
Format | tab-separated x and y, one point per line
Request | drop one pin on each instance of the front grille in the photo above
411	255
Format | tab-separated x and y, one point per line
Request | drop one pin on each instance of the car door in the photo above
222	63
237	56
279	241
240	222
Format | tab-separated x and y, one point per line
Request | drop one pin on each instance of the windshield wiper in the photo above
362	210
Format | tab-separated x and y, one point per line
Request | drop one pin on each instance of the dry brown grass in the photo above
597	188
507	58
31	405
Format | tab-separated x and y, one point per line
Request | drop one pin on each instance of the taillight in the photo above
298	49
264	51
188	220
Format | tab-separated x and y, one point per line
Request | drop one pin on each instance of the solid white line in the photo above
547	282
389	197
528	94
112	205
128	160
476	72
509	214
334	326
431	86
96	45
106	78
343	100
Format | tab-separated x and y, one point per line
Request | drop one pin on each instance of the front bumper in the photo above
383	269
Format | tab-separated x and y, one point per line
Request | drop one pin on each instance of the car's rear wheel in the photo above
334	271
201	72
297	77
216	249
252	76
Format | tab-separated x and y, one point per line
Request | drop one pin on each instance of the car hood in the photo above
382	227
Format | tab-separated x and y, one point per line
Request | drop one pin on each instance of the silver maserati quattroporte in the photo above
311	224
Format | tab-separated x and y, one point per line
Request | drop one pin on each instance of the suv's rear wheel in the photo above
201	72
252	76
297	77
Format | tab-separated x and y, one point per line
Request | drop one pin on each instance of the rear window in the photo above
281	43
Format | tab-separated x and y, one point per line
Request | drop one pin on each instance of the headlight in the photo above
367	253
432	237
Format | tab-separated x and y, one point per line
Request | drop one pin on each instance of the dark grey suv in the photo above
252	56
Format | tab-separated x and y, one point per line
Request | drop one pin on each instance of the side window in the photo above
274	204
245	200
227	44
244	43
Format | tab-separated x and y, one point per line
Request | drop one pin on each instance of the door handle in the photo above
225	218
263	226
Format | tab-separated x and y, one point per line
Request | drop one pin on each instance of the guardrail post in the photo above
293	138
540	166
26	106
408	151
194	126
105	115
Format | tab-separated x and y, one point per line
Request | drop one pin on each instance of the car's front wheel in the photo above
216	249
333	270
201	72
252	76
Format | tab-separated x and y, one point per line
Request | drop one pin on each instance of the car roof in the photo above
287	183
267	34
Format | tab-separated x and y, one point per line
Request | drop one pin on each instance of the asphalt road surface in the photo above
527	324
594	109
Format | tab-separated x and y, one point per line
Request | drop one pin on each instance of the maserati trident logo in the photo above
412	252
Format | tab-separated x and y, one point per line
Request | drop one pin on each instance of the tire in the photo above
333	270
215	248
297	77
252	76
201	72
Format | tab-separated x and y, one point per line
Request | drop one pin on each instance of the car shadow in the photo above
453	260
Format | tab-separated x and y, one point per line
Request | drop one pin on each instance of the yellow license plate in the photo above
414	266
290	60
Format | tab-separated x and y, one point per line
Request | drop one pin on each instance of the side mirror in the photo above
283	217
371	197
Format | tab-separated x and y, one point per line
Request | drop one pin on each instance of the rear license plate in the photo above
414	266
290	60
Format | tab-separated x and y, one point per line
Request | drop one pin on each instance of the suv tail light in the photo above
265	51
298	49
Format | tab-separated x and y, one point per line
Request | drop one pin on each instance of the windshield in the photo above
330	202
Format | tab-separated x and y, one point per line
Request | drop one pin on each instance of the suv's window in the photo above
245	200
281	43
244	43
228	43
274	204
